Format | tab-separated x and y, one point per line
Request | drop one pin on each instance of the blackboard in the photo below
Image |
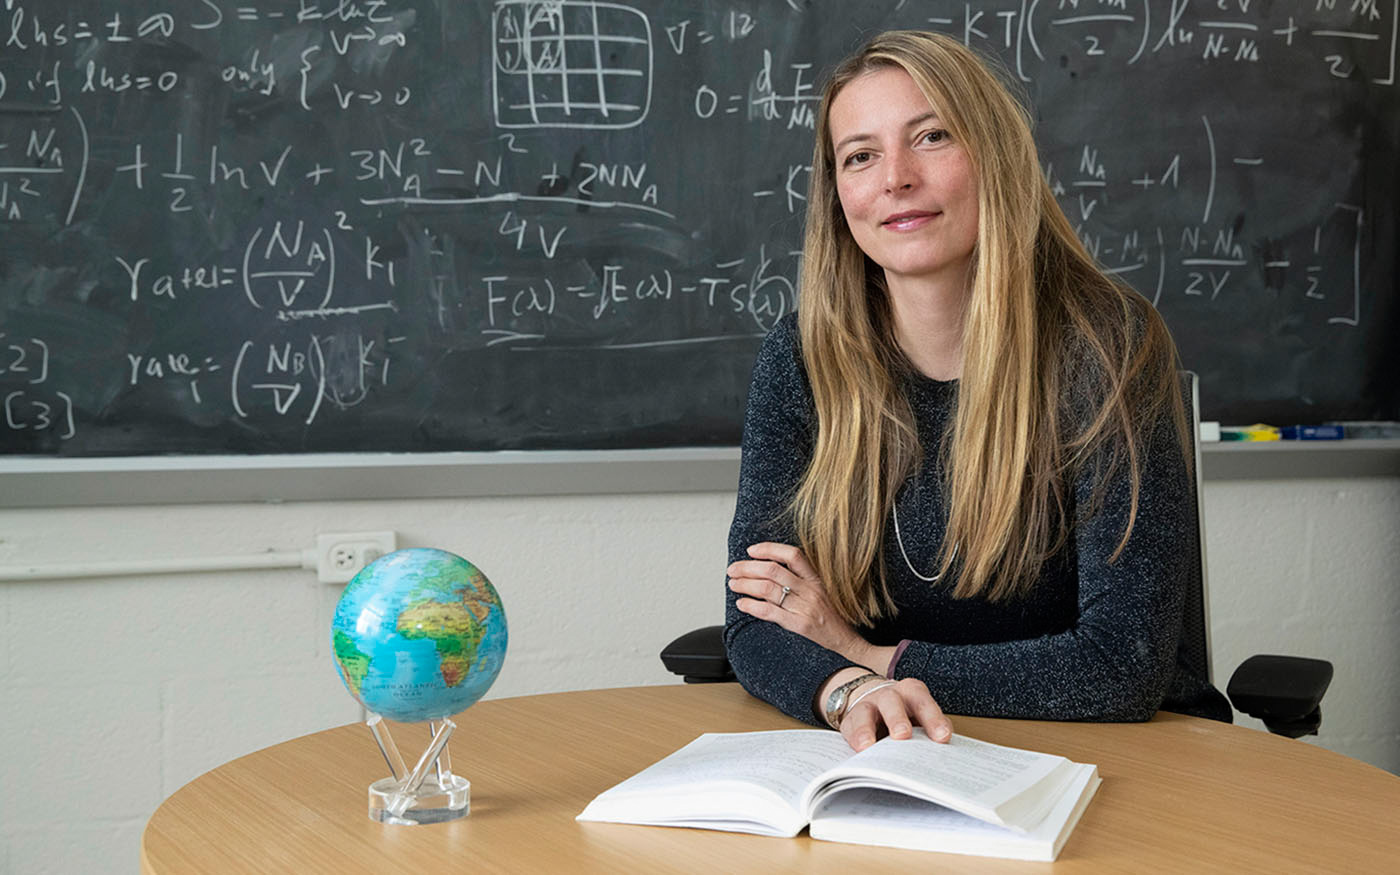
248	226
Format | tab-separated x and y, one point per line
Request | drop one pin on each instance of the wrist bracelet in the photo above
836	701
867	691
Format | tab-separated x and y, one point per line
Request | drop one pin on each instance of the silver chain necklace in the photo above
899	539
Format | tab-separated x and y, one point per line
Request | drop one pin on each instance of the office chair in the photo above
1285	692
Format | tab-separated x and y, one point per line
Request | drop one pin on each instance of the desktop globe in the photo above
419	634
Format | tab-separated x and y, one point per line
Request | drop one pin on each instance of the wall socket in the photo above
341	555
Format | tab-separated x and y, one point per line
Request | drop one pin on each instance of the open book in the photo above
963	797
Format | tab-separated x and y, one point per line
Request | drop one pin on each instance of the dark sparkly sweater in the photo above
1091	641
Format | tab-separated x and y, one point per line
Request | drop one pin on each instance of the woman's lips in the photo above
908	221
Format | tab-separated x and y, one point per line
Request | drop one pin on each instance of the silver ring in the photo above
786	590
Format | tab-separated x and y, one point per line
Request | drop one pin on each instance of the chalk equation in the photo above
1315	262
294	215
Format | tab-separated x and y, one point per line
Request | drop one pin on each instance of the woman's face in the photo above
907	189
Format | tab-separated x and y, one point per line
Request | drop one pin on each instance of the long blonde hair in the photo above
1061	364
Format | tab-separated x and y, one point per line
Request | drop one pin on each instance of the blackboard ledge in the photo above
61	482
79	482
1286	460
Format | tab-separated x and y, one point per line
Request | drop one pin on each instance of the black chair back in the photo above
1193	651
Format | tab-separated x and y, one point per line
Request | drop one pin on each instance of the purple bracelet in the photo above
894	660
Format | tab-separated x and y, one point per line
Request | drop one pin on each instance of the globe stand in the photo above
428	794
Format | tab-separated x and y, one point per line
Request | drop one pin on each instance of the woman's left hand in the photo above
783	588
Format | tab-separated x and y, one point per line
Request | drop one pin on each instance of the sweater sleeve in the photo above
1117	660
775	665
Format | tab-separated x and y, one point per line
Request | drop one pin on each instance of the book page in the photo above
722	779
965	766
976	777
882	817
782	761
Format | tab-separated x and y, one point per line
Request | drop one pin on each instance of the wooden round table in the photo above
1179	794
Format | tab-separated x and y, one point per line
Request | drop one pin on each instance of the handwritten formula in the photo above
291	226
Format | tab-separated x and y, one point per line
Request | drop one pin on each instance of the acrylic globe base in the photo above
434	801
428	794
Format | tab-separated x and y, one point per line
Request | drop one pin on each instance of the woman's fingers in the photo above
765	600
860	725
783	589
763	588
893	711
787	554
771	570
926	712
776	573
760	608
769	581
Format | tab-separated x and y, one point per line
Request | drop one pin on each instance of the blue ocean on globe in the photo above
419	634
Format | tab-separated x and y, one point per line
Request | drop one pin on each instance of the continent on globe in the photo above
353	661
419	634
453	627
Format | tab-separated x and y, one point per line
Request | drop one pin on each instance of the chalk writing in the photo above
572	63
295	225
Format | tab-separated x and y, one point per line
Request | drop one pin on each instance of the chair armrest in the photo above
698	656
1283	691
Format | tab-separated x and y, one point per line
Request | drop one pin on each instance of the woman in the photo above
964	472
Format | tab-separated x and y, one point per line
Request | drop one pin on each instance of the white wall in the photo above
1312	568
116	692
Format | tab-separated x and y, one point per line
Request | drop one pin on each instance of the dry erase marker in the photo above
1312	432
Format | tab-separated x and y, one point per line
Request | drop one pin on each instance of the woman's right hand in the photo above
893	710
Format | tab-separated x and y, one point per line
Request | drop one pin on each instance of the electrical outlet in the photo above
341	555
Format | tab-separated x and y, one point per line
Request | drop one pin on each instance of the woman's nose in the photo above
899	170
